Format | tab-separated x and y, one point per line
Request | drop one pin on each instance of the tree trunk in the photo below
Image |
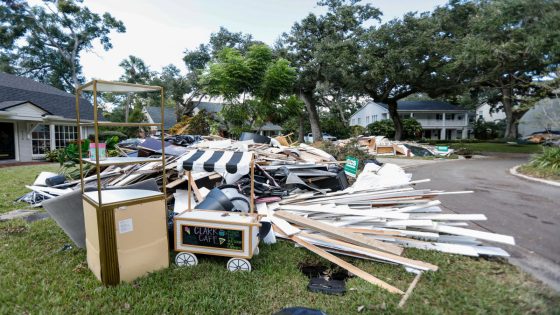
392	106
307	98
511	123
301	131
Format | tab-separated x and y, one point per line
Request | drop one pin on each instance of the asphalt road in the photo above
527	210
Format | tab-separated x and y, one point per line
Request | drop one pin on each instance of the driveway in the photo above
527	210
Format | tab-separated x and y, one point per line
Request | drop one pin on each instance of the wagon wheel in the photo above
238	264
186	259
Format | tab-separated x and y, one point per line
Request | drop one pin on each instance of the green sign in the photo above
351	166
442	148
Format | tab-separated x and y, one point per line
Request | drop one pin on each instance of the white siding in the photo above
27	110
368	114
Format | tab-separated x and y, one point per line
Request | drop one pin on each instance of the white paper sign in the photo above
125	226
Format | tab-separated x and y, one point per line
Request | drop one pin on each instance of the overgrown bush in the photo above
412	129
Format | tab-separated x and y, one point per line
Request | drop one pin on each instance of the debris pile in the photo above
304	193
380	145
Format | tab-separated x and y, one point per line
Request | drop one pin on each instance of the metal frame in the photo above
96	123
105	212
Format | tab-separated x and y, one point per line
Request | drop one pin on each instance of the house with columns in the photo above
439	120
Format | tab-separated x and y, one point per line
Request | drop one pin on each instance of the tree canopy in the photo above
509	48
251	83
52	35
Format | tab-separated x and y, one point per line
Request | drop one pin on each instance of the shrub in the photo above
412	129
488	130
548	160
383	127
52	156
357	130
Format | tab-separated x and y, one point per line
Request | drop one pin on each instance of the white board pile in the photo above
378	220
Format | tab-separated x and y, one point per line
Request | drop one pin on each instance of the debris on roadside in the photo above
301	194
381	146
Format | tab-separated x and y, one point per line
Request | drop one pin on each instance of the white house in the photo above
486	113
439	120
36	118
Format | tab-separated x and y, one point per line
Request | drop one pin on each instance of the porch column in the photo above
52	137
465	133
443	130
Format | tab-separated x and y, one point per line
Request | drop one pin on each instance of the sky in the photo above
159	31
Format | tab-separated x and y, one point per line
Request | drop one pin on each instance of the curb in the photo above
513	171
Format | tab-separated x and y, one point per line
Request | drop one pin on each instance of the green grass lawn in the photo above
482	147
36	277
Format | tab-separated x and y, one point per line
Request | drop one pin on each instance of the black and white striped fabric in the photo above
216	161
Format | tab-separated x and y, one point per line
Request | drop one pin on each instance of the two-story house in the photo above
439	120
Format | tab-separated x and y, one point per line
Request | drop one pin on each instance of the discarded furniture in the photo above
126	229
212	231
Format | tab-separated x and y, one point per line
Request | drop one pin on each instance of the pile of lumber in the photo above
377	223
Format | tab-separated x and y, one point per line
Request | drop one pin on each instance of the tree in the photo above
197	61
251	83
403	57
314	43
510	46
175	87
53	36
136	72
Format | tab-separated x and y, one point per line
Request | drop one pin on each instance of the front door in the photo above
7	141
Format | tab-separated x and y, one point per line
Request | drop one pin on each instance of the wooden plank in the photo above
176	182
343	264
286	227
409	290
377	254
339	233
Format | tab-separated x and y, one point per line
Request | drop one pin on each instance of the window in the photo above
450	117
384	116
353	121
459	117
374	117
359	120
41	139
367	120
439	116
64	135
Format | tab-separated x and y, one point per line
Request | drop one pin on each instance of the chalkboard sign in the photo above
212	237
